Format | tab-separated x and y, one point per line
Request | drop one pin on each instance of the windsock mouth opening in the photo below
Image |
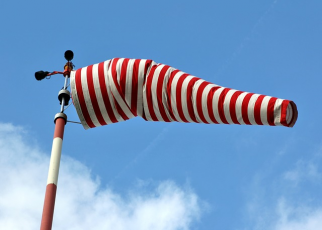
291	114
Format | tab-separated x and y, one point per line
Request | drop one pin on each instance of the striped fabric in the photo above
121	88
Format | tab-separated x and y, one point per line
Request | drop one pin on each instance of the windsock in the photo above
119	89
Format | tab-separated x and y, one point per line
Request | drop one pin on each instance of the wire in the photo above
67	106
76	122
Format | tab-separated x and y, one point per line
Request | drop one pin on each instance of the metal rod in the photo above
76	122
62	105
66	79
51	188
63	99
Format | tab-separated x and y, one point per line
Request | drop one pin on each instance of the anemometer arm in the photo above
40	75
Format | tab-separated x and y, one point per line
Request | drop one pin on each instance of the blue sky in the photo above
155	175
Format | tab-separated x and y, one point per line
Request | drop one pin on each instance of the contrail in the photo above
144	152
243	43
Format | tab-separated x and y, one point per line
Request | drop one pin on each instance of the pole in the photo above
51	188
50	196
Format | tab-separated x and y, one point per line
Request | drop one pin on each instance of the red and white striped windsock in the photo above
121	88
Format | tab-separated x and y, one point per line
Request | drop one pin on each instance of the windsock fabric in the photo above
121	88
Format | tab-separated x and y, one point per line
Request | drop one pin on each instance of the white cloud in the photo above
283	214
303	171
297	217
81	203
289	200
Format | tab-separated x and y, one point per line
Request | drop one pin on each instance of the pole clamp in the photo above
64	94
60	115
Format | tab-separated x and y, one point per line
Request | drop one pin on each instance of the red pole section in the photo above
50	196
